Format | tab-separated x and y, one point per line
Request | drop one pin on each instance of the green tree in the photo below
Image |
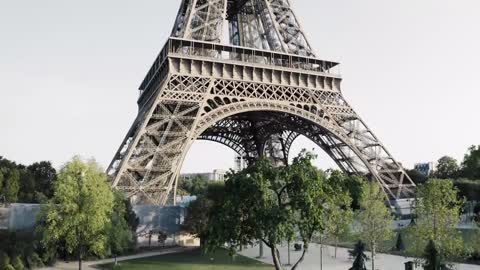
45	176
120	235
447	168
79	210
361	258
12	185
375	218
417	177
350	183
1	181
272	204
203	211
27	191
194	186
471	163
339	214
437	212
131	217
10	181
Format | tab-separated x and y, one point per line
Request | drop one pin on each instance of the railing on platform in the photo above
208	50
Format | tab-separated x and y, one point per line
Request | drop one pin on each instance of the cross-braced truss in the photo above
255	96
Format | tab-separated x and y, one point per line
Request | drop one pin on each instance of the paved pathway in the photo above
89	265
312	259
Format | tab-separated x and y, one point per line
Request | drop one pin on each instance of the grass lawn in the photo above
191	260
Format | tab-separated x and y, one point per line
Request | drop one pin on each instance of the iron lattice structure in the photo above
256	95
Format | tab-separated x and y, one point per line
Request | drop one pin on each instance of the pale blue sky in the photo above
69	73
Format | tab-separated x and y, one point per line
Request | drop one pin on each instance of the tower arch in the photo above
198	88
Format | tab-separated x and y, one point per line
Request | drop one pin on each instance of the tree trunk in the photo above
79	258
288	251
276	260
300	260
321	254
278	256
336	245
373	256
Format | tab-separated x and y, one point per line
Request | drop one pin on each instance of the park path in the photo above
342	262
90	265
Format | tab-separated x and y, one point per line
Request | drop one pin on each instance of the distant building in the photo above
216	175
185	201
425	168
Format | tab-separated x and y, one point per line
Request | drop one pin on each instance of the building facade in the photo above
215	176
425	168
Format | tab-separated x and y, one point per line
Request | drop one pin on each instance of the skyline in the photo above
78	78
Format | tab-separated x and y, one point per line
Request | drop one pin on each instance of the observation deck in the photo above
236	55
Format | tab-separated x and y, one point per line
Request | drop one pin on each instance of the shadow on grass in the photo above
194	259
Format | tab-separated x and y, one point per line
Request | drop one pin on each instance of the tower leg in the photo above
156	150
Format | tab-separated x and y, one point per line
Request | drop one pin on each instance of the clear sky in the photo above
69	73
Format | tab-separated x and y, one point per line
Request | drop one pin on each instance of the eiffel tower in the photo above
255	93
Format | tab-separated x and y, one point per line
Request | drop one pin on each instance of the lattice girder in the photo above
263	24
256	98
200	20
187	106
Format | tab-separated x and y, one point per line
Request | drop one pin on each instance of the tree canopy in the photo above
417	177
44	175
352	184
273	205
338	212
197	185
120	235
11	185
447	168
375	218
31	184
437	213
204	210
80	209
471	163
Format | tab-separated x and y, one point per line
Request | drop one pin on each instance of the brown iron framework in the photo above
255	95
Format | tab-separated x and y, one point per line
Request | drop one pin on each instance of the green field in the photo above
191	260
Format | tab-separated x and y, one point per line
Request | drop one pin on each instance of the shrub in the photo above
18	264
33	260
4	260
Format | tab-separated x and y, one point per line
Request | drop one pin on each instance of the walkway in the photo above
312	259
89	265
